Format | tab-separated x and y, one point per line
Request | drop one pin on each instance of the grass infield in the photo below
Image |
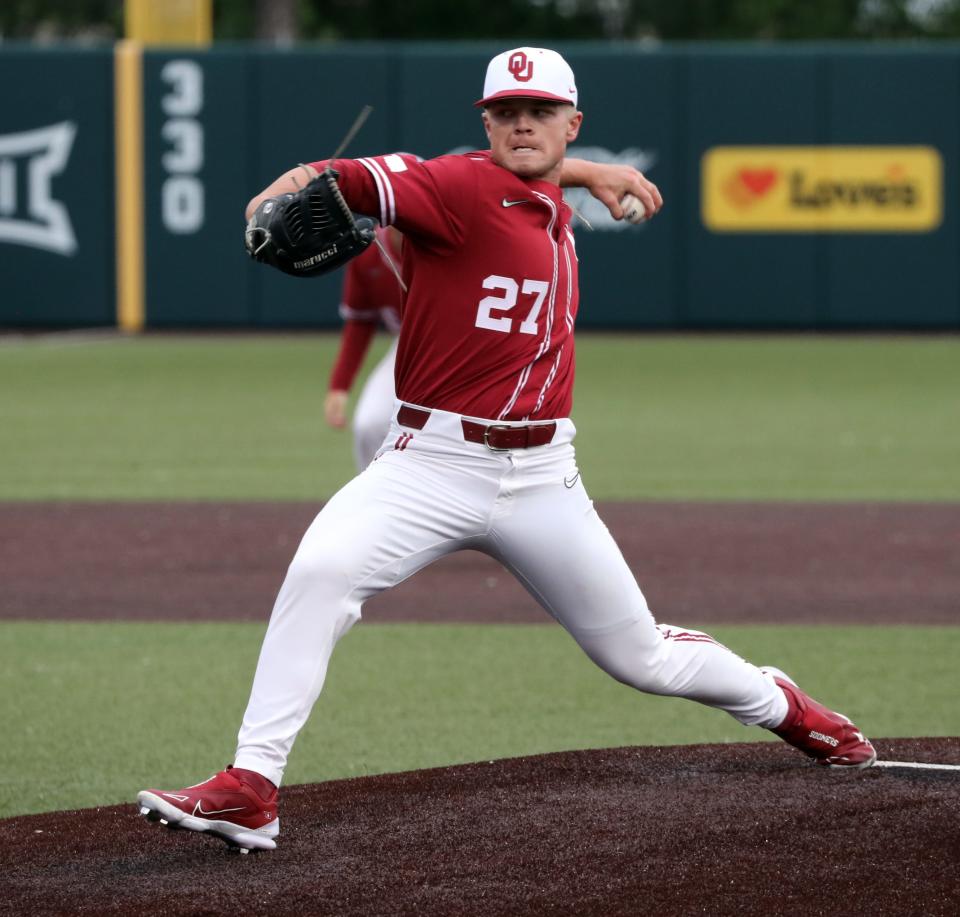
684	418
102	710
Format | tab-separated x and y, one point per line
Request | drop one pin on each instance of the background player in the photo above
371	297
480	455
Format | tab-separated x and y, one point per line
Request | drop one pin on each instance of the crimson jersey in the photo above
491	275
371	295
371	292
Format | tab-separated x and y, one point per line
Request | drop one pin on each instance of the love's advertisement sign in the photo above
821	189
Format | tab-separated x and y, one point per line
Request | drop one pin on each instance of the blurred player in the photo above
371	297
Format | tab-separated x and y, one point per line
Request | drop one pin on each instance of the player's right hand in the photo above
335	408
611	182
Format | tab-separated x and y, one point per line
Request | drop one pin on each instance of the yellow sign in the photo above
171	22
821	189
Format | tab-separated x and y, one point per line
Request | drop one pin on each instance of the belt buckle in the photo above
486	434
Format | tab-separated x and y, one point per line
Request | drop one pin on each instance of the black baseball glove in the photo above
309	232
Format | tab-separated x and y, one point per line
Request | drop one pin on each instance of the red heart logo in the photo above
759	181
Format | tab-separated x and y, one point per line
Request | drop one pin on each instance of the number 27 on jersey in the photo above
510	290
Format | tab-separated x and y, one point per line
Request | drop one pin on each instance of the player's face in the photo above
530	136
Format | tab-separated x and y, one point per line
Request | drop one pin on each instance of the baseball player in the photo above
480	453
371	296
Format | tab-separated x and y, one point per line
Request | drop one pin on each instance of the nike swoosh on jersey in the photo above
569	482
507	203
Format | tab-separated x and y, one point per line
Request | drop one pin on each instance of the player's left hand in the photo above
308	232
335	408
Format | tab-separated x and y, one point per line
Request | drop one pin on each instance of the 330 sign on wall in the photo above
182	197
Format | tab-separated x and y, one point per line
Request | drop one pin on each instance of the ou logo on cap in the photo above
520	66
528	73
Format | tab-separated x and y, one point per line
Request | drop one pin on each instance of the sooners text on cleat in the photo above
826	736
223	806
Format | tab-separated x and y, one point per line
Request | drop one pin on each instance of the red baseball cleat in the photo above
827	737
224	806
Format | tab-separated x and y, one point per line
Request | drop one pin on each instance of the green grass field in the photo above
93	712
100	711
692	418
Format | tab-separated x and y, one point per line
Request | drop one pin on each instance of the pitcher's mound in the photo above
697	829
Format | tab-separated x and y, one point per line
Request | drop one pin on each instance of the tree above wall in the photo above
284	21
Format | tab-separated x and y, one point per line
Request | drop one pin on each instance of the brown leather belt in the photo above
498	437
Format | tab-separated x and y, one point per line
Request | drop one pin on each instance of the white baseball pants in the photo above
375	409
429	493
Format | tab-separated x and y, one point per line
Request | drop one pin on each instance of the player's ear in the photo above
486	122
573	126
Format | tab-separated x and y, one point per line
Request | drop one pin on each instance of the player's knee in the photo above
635	672
321	573
630	657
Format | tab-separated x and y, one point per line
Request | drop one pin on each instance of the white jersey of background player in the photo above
480	455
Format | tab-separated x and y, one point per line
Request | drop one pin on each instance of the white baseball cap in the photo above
529	73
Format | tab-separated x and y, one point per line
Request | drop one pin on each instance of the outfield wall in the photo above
805	186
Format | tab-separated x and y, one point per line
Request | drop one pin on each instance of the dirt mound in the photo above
733	829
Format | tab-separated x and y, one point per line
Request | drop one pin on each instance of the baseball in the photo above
633	210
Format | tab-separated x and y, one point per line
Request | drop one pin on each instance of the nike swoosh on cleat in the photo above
198	810
507	203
